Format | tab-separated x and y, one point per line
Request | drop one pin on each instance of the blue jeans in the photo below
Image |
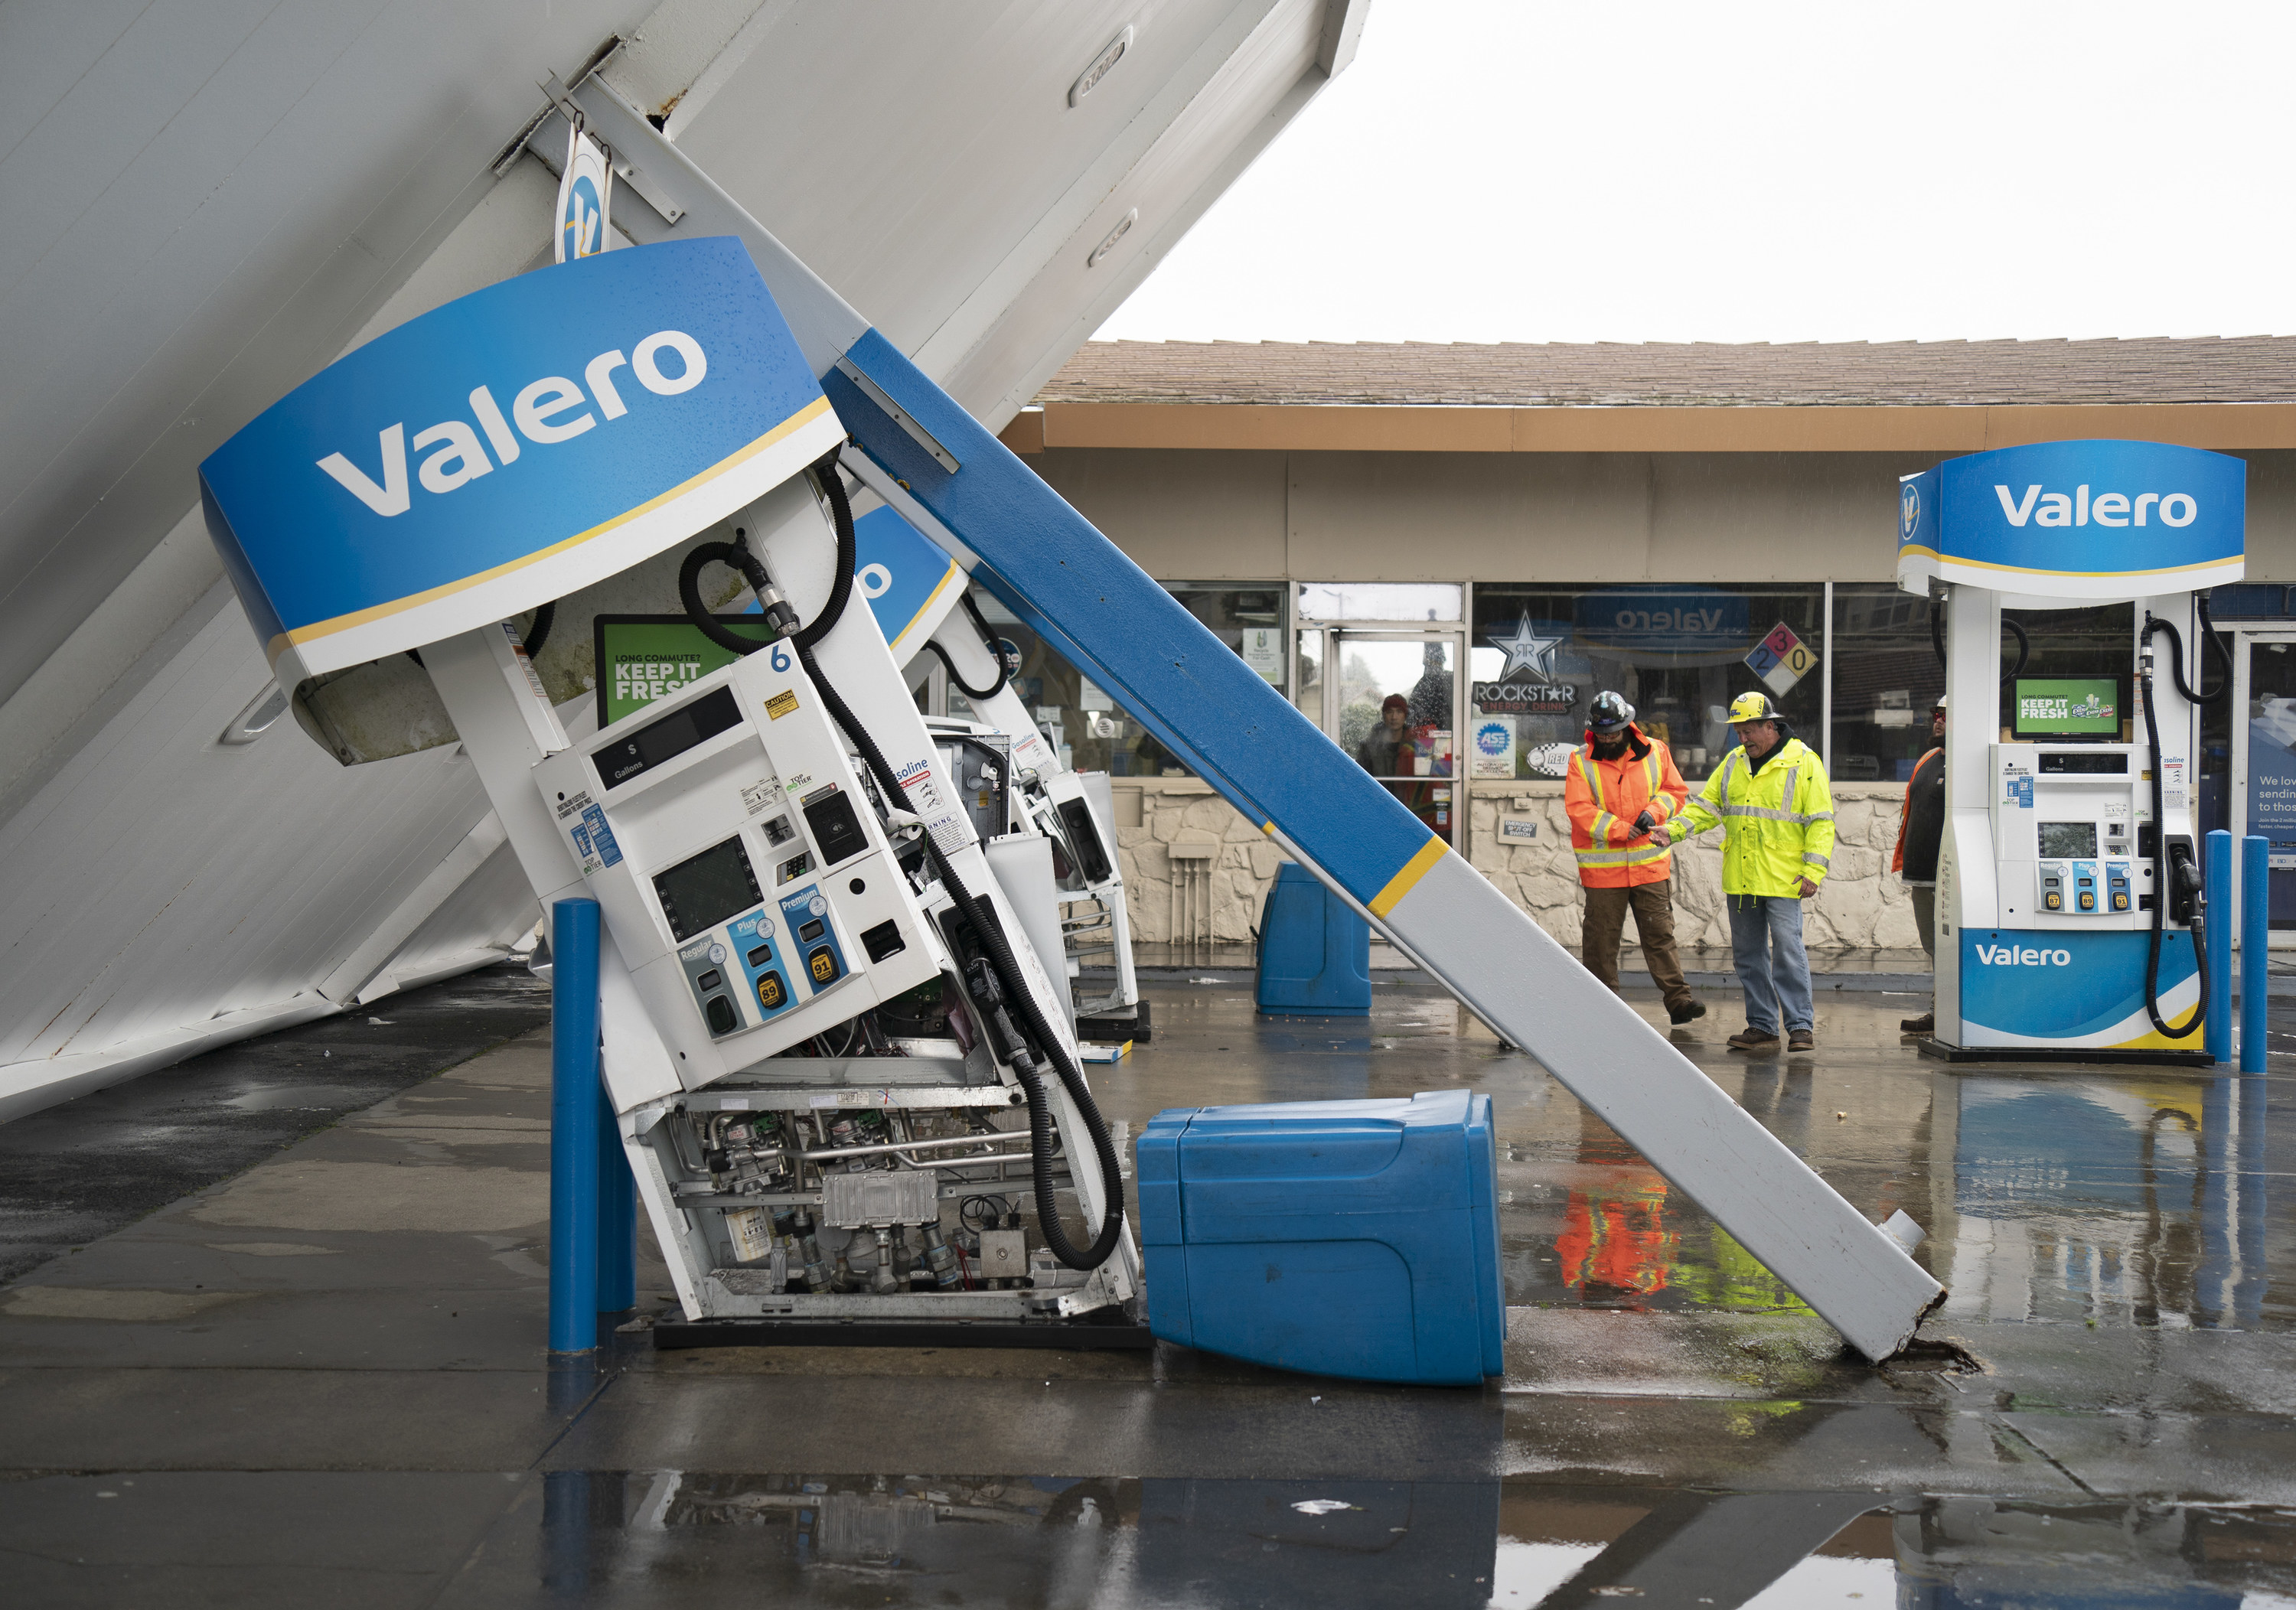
1763	926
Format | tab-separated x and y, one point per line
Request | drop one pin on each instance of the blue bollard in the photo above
2215	933
617	1216
2255	947
574	1109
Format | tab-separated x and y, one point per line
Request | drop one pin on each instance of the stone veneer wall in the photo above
1861	905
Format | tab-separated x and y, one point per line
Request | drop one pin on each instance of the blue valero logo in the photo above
2076	508
546	412
2010	955
583	226
1909	510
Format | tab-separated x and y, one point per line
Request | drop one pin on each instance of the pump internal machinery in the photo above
880	1107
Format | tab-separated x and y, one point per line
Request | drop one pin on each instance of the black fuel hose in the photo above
1008	972
989	641
2024	643
2160	868
1043	1135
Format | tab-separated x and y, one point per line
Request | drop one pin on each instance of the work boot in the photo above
1685	1011
1801	1039
1926	1023
1752	1040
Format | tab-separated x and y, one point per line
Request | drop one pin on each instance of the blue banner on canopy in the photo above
508	448
2076	519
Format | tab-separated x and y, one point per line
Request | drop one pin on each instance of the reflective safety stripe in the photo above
1612	858
1765	814
1815	859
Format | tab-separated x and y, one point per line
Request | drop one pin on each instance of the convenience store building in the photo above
1494	534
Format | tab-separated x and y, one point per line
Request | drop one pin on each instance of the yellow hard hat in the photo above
1751	706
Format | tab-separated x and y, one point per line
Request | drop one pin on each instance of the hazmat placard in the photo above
1782	659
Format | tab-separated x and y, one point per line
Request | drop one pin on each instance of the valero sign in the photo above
2076	519
508	448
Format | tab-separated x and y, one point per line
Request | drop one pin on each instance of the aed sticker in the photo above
756	795
783	703
1521	829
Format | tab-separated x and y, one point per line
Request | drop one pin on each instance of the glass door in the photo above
1391	700
2264	761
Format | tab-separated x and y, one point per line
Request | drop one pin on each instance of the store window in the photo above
1539	654
1886	677
1390	601
1093	733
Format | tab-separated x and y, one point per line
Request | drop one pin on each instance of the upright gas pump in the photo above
2068	888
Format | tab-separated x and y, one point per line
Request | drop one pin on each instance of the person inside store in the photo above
1773	805
1620	791
1921	827
1386	752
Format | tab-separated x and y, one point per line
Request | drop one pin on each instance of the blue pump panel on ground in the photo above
1352	1238
1315	952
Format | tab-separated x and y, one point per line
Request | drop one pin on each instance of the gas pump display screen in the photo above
700	893
668	738
2068	840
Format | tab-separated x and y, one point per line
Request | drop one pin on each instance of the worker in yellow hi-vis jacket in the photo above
1772	801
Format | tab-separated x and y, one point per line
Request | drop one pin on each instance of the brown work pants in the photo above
1606	923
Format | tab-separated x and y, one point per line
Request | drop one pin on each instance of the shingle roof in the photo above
2248	369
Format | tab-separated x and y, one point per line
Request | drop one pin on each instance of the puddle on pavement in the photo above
1034	1540
303	1098
2074	1196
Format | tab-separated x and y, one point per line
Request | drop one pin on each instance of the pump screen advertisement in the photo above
2068	707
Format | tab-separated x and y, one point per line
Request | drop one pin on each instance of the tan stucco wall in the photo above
1199	515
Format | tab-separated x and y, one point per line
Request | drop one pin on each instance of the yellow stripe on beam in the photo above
1405	881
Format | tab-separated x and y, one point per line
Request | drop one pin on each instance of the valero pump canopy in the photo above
2068	892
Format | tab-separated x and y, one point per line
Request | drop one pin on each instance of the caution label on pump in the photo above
949	832
781	704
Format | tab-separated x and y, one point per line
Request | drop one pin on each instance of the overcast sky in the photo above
1534	171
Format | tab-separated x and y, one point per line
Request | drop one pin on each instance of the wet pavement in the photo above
322	1378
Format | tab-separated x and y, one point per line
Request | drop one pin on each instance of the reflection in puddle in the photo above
2071	1195
2122	1200
1046	1541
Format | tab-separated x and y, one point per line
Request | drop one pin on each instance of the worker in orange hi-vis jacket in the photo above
1620	789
